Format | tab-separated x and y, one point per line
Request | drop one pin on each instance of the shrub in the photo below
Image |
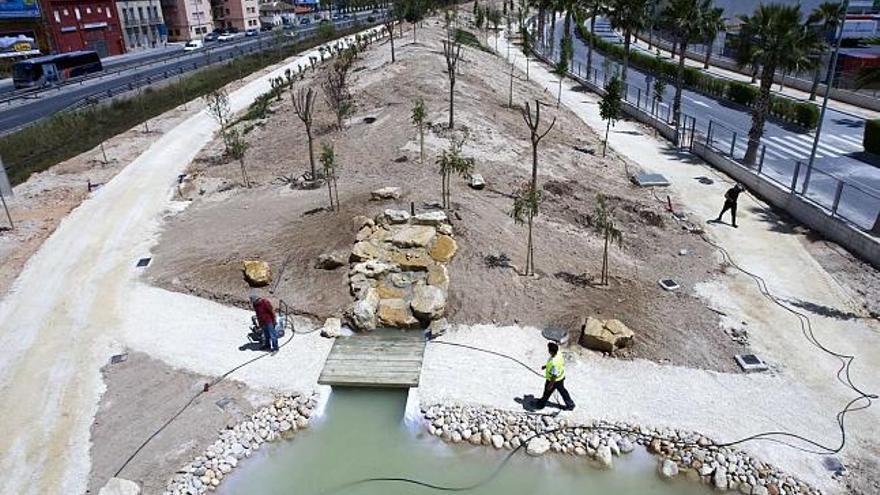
871	140
807	115
741	93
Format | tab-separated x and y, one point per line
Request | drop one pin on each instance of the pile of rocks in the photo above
398	272
281	419
681	453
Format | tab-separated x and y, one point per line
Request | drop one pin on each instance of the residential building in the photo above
84	25
187	19
277	13
236	14
143	25
22	30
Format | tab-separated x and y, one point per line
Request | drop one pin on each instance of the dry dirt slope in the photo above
201	249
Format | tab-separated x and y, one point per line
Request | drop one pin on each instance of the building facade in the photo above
277	13
84	25
187	19
236	14
143	25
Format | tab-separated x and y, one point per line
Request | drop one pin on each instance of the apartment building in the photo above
143	25
84	25
237	14
187	19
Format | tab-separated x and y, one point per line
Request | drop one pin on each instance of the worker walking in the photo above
266	320
730	199
554	376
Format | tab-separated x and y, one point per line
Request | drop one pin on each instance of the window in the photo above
76	13
88	10
109	16
57	17
99	10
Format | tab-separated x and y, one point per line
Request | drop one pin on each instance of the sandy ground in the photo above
201	249
68	311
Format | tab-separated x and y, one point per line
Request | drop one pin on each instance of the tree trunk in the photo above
552	32
311	152
452	101
244	175
336	190
542	23
566	30
559	93
391	37
330	191
607	130
814	88
414	33
534	162
759	115
421	143
626	42
530	257
605	262
679	85
708	53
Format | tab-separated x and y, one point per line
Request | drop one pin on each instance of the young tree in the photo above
685	18
627	16
829	15
534	124
238	146
603	222
303	105
452	53
420	120
278	84
336	86
389	21
562	64
526	201
414	12
328	165
217	102
659	90
451	161
610	107
773	38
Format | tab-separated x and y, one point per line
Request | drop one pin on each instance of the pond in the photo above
363	434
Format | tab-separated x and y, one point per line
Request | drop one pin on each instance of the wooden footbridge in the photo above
386	358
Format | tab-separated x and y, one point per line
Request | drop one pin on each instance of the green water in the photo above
363	434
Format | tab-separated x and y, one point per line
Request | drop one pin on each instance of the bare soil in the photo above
142	394
201	249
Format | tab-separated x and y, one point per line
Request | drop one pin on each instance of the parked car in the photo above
305	21
193	45
267	27
212	36
336	17
252	32
226	37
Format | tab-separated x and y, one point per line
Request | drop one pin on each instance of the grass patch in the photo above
67	134
468	38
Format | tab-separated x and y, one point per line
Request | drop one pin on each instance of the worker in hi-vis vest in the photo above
554	376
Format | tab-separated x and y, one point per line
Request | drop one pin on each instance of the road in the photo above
840	154
46	103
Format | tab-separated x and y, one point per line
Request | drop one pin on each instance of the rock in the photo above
332	260
400	280
626	446
603	455
366	250
360	221
390	292
438	276
476	181
385	193
257	273
433	218
537	446
668	469
396	216
497	441
760	490
332	328
443	248
359	284
412	260
438	327
719	480
606	336
413	236
444	229
428	302
119	486
395	313
363	312
372	268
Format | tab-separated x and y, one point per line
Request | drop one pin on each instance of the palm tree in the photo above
685	18
774	37
627	16
593	9
830	15
570	8
713	23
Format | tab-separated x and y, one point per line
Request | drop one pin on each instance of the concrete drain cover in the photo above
704	180
669	284
646	179
222	403
557	335
750	362
143	262
833	464
119	358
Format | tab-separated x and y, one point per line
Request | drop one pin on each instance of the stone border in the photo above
282	419
699	460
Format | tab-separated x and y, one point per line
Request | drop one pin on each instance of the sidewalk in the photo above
764	246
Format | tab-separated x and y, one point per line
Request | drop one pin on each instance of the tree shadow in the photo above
849	122
823	310
777	220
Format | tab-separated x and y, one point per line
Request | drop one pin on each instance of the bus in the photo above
54	69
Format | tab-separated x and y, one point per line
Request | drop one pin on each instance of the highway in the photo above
26	110
840	153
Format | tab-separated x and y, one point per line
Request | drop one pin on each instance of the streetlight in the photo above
829	79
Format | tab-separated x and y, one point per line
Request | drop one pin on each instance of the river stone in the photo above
668	469
395	313
438	276
332	328
428	302
366	250
537	446
443	248
396	216
257	273
497	441
120	486
626	446
413	236
363	312
385	193
719	480
332	260
434	218
603	455
605	336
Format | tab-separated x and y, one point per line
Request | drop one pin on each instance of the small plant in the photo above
238	147
659	89
217	102
610	107
420	120
603	223
328	165
452	53
336	87
526	202
303	105
451	161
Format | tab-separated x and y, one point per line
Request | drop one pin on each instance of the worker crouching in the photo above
266	320
554	376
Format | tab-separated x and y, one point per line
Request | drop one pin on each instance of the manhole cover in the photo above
832	464
369	120
143	262
750	362
119	358
669	284
557	335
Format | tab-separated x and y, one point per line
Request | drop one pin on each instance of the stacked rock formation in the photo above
398	272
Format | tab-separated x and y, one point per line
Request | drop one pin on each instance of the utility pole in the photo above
829	80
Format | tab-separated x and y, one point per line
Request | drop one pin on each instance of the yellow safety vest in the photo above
557	364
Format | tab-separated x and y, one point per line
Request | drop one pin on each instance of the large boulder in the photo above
428	302
395	313
443	248
396	216
605	336
433	218
413	236
119	486
363	312
385	193
257	273
366	250
332	260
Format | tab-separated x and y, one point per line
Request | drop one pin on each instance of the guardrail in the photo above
843	211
